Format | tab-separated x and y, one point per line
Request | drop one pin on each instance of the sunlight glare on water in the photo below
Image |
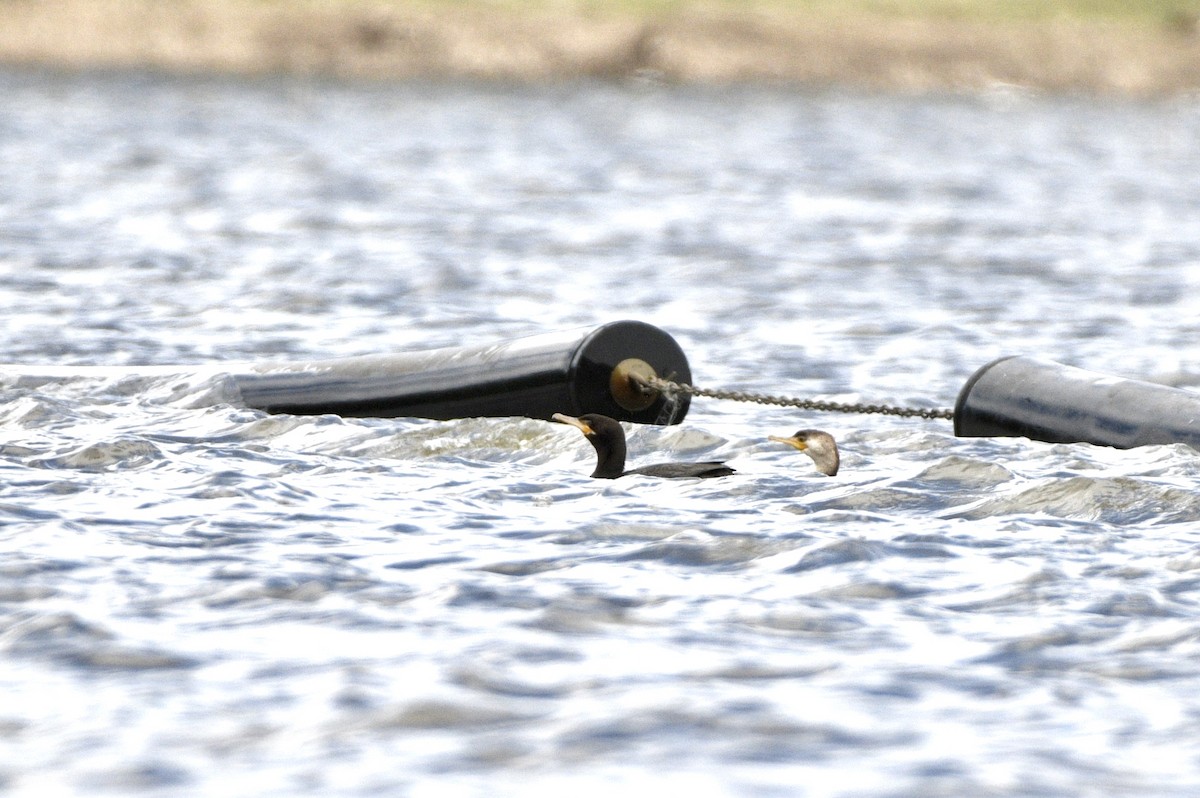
198	598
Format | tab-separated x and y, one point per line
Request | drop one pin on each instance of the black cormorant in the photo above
608	439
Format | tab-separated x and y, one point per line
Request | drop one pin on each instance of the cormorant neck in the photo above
610	456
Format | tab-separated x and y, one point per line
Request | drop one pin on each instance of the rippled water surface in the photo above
197	598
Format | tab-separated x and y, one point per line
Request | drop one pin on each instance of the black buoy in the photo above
575	372
578	371
1047	401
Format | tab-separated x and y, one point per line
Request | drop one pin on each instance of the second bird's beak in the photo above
793	442
578	423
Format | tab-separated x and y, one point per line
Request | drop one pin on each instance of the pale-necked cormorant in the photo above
818	445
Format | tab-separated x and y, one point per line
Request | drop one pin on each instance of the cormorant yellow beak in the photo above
578	423
794	442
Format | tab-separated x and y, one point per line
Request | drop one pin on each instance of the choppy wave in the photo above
201	598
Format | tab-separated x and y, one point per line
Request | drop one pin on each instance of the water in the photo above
199	599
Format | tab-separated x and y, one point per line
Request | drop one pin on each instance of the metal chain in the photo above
668	387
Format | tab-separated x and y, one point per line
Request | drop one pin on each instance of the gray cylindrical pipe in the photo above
562	372
1047	401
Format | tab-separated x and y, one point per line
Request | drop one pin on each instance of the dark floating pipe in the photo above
572	372
1047	401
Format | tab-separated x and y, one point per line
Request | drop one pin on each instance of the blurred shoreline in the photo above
816	46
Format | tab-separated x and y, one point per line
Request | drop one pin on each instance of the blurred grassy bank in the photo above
1118	46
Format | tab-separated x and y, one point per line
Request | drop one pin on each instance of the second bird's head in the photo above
817	444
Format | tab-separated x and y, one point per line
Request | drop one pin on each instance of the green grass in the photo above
1034	10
